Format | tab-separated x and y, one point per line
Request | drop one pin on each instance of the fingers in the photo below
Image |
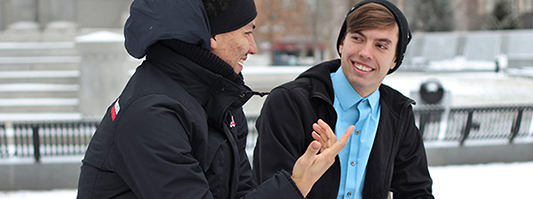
325	134
310	166
337	147
317	137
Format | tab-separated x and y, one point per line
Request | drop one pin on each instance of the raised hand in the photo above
311	165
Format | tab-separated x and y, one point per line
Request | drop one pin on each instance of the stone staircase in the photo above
39	80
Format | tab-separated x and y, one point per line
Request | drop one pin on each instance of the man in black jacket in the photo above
178	130
386	152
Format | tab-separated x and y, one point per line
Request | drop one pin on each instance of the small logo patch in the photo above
114	110
232	123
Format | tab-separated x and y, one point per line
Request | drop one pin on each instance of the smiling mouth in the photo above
363	68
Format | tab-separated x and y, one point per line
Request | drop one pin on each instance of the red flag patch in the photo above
114	110
232	124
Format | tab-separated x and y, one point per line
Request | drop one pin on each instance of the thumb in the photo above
312	150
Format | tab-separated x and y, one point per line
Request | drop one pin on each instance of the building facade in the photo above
291	32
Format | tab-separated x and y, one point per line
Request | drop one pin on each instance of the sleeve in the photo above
245	171
281	140
279	185
411	177
153	152
154	156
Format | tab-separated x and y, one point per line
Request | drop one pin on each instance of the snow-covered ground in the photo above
487	181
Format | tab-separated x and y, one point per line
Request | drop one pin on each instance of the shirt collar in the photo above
347	95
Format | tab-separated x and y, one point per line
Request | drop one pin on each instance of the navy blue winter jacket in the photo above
177	130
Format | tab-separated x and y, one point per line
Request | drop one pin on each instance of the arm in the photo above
154	155
411	177
285	133
282	138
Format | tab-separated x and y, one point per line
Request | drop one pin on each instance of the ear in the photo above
213	42
394	63
340	48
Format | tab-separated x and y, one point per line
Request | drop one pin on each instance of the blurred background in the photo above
469	67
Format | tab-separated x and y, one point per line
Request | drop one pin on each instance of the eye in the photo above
357	38
384	47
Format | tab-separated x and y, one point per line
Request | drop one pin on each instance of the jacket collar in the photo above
323	87
210	80
321	73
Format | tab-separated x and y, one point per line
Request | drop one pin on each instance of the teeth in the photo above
363	68
241	62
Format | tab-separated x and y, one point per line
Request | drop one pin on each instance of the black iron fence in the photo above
475	123
36	139
45	138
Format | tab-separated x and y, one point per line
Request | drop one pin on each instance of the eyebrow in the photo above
386	40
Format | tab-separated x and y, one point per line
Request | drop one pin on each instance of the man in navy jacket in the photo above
178	130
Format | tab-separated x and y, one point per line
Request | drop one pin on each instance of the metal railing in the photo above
26	139
475	123
45	138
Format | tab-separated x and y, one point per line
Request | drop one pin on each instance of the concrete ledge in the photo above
25	174
39	59
477	153
38	117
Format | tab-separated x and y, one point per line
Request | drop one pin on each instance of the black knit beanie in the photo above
229	15
405	34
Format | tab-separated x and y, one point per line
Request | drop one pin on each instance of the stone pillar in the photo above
58	18
57	10
105	68
20	16
20	10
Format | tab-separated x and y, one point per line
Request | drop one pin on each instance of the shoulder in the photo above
393	100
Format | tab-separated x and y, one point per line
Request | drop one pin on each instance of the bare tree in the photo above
503	16
432	15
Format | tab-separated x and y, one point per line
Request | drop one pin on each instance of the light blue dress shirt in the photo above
349	106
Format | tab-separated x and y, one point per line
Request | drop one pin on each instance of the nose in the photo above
366	51
253	47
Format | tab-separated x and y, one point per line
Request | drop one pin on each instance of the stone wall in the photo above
84	13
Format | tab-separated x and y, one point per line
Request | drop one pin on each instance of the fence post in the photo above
423	121
516	126
468	127
36	143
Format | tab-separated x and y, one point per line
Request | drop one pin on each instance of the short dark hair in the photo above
370	16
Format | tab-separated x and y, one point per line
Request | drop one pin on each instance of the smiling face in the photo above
233	47
367	56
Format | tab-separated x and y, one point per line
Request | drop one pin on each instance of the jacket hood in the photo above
151	21
317	72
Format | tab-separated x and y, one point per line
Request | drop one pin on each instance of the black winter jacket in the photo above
176	131
397	161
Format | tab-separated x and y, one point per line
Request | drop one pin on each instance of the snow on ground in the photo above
487	181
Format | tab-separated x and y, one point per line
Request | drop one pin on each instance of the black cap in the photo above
405	34
231	16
